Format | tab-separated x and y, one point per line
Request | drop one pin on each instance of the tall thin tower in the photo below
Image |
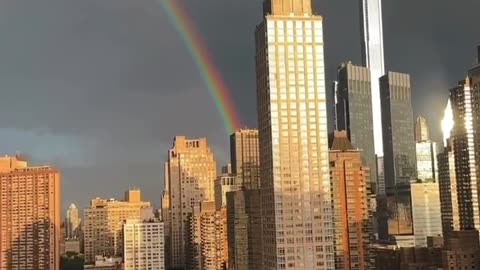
293	138
372	57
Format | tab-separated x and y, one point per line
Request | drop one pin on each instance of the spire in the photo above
287	7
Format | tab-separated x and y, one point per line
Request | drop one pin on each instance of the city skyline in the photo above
96	100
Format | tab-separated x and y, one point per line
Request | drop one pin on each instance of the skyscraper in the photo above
372	56
107	216
29	215
244	156
143	245
398	136
224	184
399	151
72	222
244	205
190	172
354	113
465	98
293	138
351	215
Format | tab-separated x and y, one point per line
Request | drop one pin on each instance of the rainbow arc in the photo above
216	86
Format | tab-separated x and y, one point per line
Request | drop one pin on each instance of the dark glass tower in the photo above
354	113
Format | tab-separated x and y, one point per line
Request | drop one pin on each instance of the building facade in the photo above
372	57
351	212
29	216
107	216
143	245
422	132
426	211
465	98
190	172
207	247
293	138
354	113
244	157
224	184
462	251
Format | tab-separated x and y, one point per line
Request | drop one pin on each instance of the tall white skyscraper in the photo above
372	57
293	138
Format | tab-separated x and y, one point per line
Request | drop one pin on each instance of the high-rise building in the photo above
372	57
207	238
143	245
224	184
244	205
426	212
462	251
29	215
107	216
354	113
422	132
293	138
350	198
190	172
399	153
244	156
398	137
465	98
72	222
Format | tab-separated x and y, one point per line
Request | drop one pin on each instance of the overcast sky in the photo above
98	88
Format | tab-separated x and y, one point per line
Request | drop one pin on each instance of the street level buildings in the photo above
29	215
293	138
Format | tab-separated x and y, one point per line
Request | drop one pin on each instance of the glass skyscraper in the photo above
293	138
372	57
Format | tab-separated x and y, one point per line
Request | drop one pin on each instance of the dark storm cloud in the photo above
114	81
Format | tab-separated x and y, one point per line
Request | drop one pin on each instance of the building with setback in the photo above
293	138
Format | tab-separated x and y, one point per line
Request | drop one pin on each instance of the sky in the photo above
98	88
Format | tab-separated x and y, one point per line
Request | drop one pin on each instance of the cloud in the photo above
107	84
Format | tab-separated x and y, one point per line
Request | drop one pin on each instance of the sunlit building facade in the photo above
245	157
373	58
224	184
72	222
426	211
143	245
29	216
350	198
190	173
107	216
293	138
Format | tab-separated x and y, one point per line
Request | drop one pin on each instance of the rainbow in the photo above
217	88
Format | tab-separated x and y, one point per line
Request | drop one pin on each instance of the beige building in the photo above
143	244
207	247
350	199
244	156
293	138
190	172
29	216
426	211
224	184
105	263
104	221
